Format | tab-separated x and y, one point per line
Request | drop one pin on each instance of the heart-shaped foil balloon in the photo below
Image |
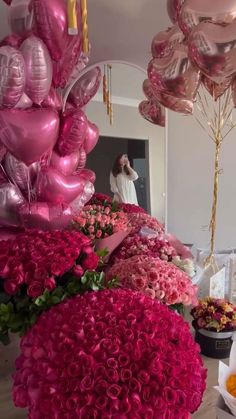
194	12
45	216
175	75
91	138
29	133
86	87
12	76
153	112
82	199
20	174
24	103
74	125
53	187
212	48
67	164
216	90
165	42
10	201
53	100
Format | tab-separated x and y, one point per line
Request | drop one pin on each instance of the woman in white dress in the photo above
122	179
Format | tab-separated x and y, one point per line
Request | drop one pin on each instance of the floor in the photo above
8	411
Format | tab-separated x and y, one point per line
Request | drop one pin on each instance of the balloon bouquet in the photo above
198	50
43	141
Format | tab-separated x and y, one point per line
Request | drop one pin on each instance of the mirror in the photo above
143	142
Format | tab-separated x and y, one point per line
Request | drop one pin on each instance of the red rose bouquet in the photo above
131	208
39	269
100	199
99	221
156	278
215	315
112	354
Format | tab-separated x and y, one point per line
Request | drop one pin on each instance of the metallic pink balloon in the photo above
52	26
212	48
12	76
175	74
63	69
20	174
24	103
53	187
8	2
53	100
45	216
38	69
153	112
30	133
67	164
74	126
81	64
82	199
86	87
10	201
165	42
91	138
173	9
194	12
21	16
82	159
14	40
3	152
149	90
216	90
87	174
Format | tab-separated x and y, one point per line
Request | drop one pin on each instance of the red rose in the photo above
50	284
90	262
78	271
35	289
10	287
113	391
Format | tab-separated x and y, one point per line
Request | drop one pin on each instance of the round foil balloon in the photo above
10	201
74	126
38	69
21	16
12	76
20	174
194	12
217	61
86	87
164	42
153	112
175	74
29	134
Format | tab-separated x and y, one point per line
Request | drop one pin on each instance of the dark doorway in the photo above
102	157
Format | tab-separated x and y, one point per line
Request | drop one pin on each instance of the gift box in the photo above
222	411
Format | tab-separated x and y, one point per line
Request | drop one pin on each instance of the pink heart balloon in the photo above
82	199
52	26
10	201
30	133
164	42
86	87
53	100
14	40
92	136
63	69
45	216
82	159
20	174
12	76
194	12
56	188
74	126
216	90
38	66
218	60
175	74
153	112
24	103
67	164
87	174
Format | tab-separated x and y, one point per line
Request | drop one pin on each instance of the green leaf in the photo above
84	279
4	298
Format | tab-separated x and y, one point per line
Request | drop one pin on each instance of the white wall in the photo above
190	183
129	124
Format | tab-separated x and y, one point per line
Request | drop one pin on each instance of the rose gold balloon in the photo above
149	90
164	42
212	48
194	12
173	9
12	76
153	112
175	74
216	90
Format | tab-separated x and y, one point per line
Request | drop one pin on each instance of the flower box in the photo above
214	344
111	242
222	411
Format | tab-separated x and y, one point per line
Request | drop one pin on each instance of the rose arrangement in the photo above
155	278
99	221
132	208
112	354
140	220
214	314
40	269
100	199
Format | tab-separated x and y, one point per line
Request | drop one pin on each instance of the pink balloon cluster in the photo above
200	49
43	149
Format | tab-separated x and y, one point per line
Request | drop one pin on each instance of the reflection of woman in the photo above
122	179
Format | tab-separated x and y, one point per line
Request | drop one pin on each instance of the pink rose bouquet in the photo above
139	220
156	278
99	221
39	269
112	354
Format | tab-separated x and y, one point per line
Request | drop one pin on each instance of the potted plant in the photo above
214	322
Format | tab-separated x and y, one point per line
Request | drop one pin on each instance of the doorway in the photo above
102	158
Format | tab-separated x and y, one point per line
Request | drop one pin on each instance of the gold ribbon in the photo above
72	17
84	22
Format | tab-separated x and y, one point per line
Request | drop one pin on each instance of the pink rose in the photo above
50	284
11	287
113	391
90	262
99	234
78	271
35	289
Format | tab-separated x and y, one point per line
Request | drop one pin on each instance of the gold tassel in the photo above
104	86
84	17
72	17
110	96
108	92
